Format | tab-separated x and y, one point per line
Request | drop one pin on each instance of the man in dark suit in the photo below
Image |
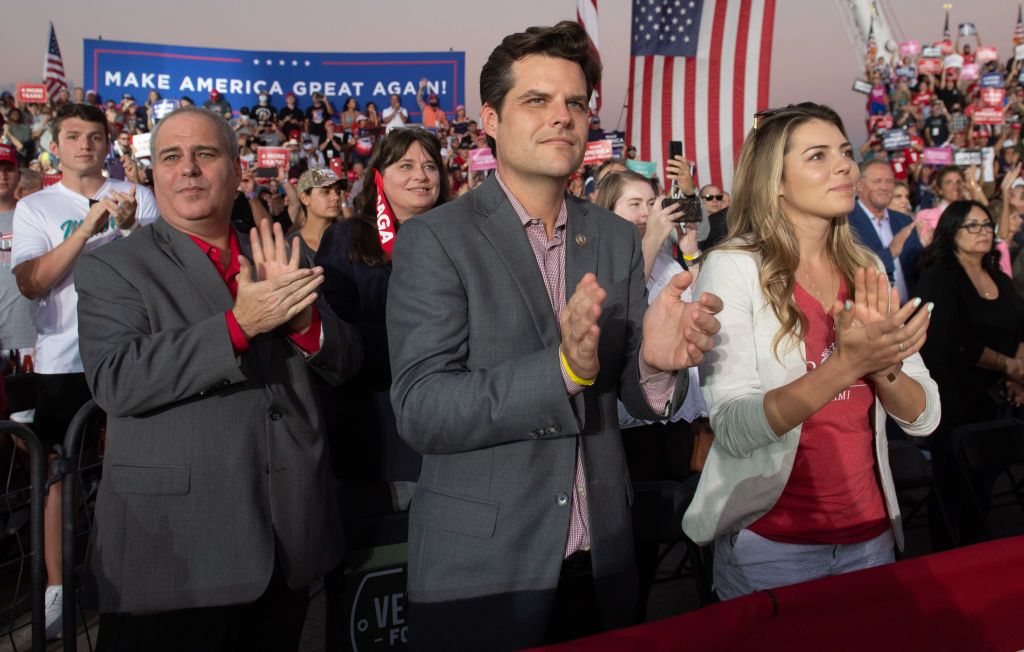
890	234
516	316
217	508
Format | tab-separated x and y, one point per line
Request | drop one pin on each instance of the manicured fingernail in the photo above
930	306
917	302
848	305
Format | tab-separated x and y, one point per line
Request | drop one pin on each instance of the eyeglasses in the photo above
977	227
713	197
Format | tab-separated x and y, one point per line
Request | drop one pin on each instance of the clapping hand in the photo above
282	293
580	332
678	333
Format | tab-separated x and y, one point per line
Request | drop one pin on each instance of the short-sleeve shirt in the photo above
17	325
42	221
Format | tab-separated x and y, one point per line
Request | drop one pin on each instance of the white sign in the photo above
140	145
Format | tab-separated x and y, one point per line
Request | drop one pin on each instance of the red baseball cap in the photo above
294	134
215	93
7	155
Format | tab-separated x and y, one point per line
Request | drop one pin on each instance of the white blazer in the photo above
749	465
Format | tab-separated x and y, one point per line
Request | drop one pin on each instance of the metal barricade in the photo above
13	502
80	466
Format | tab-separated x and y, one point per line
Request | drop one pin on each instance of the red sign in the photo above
877	122
993	96
986	53
481	159
989	115
272	157
970	72
946	47
51	178
929	66
336	164
32	93
910	48
597	152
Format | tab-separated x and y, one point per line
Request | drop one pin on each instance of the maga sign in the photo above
989	116
32	93
116	67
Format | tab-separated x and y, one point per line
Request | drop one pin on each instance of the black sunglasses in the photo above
713	197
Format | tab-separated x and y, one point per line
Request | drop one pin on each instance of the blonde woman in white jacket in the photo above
813	352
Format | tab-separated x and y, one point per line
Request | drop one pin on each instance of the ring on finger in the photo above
902	347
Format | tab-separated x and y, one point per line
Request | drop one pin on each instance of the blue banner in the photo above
116	67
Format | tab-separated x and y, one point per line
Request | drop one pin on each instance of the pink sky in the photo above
813	58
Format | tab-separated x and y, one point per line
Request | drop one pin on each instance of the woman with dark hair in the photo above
974	347
813	354
356	275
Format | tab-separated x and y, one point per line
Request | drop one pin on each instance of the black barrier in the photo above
71	469
37	488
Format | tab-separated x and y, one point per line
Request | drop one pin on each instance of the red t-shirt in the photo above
832	495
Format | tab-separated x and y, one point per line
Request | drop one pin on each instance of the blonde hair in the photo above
758	224
613	184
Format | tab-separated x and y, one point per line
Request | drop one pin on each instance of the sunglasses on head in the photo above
713	197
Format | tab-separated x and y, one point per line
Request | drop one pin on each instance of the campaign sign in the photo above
967	29
51	178
970	71
986	53
116	67
989	116
877	122
931	52
953	61
861	86
993	96
163	108
481	158
906	72
31	93
618	139
140	145
597	152
929	66
894	139
993	80
937	156
967	156
646	168
945	47
272	157
910	48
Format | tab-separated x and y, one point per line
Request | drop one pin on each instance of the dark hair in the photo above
942	250
566	40
344	105
943	171
364	247
82	111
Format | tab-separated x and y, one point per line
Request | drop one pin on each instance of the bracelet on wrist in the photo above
572	375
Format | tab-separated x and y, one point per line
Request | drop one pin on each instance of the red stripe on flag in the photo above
714	81
667	77
645	122
739	78
766	54
689	120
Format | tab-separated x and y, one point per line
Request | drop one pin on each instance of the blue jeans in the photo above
746	562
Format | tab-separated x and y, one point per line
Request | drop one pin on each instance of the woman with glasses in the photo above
973	350
813	353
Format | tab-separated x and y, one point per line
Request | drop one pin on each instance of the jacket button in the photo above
275	416
552	430
562	500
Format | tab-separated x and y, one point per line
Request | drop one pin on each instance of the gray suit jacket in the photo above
477	388
210	459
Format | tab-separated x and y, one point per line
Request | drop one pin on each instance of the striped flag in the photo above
586	16
53	66
698	74
872	44
1018	31
946	34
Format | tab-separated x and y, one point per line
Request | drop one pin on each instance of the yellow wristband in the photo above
572	376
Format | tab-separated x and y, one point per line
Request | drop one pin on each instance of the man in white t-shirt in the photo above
52	228
395	115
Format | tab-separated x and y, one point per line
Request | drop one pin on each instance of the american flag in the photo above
586	16
1018	31
872	44
698	74
946	34
53	67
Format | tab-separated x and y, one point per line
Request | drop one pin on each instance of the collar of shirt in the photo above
213	253
871	214
525	217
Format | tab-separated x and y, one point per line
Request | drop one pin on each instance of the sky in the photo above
813	57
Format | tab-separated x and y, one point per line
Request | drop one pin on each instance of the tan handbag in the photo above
703	437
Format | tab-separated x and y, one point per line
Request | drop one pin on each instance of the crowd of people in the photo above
272	349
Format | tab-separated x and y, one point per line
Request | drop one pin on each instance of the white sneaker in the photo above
53	602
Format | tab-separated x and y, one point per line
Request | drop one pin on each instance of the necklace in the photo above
822	299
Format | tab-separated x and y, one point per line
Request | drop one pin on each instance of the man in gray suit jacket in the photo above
519	527
217	508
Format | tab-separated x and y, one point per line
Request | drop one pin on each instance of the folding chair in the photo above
914	482
988	446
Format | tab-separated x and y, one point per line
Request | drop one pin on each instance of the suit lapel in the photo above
194	264
581	245
503	229
867	231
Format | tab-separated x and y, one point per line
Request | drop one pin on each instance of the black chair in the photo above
80	464
24	489
914	482
990	448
